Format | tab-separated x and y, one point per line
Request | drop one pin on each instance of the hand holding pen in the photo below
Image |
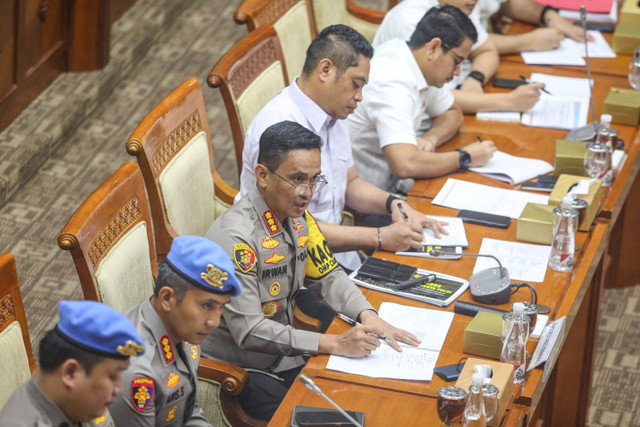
524	79
386	332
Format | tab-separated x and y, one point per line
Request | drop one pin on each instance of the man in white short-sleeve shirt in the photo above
400	22
405	80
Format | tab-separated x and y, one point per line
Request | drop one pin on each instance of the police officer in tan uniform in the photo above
81	362
277	248
194	283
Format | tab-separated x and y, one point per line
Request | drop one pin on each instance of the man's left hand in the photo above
417	218
370	319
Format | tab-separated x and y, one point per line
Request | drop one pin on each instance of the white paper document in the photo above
457	194
499	116
457	235
525	262
611	17
513	169
571	52
431	326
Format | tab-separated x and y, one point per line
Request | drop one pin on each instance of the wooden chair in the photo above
293	22
251	73
112	246
347	12
15	344
173	147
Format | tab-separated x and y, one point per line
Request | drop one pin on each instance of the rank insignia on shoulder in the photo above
172	413
167	348
141	392
270	309
302	240
274	289
194	352
269	243
275	258
297	225
101	419
244	257
271	221
173	380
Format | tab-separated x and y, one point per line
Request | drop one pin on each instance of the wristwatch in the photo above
391	198
465	159
477	75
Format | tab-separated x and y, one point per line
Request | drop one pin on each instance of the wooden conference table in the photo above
564	397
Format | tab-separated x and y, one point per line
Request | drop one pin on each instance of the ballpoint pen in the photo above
524	79
479	139
413	282
353	322
404	213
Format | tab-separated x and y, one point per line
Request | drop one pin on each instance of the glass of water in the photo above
597	159
634	70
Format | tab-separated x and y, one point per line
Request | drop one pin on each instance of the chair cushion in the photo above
124	275
264	87
329	12
294	33
208	397
187	188
15	364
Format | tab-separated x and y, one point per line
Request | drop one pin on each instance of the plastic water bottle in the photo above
564	239
634	70
474	415
604	131
514	347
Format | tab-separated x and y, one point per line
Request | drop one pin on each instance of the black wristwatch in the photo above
477	75
465	159
391	198
544	11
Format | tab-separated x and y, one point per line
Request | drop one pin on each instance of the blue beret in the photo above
204	264
99	329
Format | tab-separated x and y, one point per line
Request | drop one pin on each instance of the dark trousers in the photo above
262	395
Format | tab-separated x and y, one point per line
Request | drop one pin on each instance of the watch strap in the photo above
464	159
477	75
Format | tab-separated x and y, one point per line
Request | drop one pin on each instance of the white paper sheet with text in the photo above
459	194
512	169
524	261
457	235
571	52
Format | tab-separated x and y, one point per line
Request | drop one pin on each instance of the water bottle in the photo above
474	415
564	238
604	131
634	70
514	347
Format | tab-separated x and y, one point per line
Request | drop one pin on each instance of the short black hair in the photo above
448	23
54	350
167	276
339	43
280	138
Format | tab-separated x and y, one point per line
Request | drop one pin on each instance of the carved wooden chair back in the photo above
173	147
15	344
111	241
347	12
251	73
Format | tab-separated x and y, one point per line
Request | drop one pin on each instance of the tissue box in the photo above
482	336
630	13
623	105
502	378
570	157
626	37
535	224
593	198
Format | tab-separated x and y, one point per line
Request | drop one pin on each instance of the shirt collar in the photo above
315	115
46	405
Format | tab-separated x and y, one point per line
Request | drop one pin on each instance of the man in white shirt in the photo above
328	90
400	22
406	79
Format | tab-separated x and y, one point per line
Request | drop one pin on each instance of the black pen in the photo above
479	139
352	322
404	213
413	282
529	81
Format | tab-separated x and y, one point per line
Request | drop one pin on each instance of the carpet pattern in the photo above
156	45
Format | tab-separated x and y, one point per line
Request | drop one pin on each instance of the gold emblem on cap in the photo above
130	348
214	276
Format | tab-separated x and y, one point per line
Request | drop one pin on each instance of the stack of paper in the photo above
571	52
513	169
597	10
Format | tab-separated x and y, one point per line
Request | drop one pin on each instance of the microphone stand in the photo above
313	387
438	252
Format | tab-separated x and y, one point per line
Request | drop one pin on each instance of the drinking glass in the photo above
490	396
597	160
451	403
506	325
634	70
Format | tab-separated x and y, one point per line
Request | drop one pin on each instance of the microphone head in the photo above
435	252
309	383
583	12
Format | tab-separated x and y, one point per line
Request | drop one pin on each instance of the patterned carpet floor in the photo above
189	45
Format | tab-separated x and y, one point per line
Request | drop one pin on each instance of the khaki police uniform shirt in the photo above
273	261
29	406
160	385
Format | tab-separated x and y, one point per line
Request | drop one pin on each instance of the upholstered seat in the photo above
173	147
347	12
15	345
248	75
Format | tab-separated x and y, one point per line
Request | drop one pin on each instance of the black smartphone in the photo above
508	83
449	372
324	418
538	186
548	178
603	27
481	218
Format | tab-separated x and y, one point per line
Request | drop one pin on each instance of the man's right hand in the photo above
480	152
401	235
542	39
355	342
524	97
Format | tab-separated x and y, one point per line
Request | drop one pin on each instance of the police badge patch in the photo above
141	392
269	243
270	309
244	257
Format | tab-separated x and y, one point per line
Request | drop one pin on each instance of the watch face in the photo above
465	159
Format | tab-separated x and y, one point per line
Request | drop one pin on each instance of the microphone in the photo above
313	387
489	286
586	132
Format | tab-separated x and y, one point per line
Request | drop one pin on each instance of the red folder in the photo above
593	6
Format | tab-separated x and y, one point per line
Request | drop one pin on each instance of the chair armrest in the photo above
222	190
231	377
368	15
304	322
248	9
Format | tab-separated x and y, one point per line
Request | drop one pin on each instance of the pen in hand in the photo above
479	139
353	322
404	213
524	79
